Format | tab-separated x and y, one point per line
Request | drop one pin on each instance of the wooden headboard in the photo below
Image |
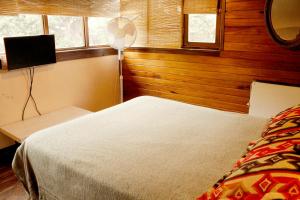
266	100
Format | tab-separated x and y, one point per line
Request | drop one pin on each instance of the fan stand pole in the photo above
120	57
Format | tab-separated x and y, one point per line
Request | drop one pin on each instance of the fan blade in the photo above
113	27
129	29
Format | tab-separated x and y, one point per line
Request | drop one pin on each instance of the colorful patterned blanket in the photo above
271	167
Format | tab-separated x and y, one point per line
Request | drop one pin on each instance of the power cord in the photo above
31	76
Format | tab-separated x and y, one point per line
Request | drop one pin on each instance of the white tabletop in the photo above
19	131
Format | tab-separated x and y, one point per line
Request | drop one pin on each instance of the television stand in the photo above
19	131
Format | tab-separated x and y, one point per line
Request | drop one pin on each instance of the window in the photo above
21	25
68	31
97	30
202	29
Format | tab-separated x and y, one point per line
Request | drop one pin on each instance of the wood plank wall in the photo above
221	82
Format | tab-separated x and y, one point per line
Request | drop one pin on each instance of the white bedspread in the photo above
147	148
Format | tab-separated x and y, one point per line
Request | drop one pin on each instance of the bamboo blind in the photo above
159	22
8	7
165	25
103	8
200	6
137	11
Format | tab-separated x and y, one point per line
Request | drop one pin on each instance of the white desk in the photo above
19	131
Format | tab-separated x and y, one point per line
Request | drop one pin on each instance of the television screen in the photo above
29	51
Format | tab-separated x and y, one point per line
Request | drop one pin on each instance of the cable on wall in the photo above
31	77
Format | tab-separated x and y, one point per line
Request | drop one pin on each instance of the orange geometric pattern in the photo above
284	122
271	167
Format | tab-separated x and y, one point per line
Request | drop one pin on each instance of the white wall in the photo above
267	99
87	83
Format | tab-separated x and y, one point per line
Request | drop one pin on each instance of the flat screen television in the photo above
29	51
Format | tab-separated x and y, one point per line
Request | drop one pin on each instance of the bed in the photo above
146	148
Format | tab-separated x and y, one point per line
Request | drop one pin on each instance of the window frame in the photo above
85	35
88	37
219	44
43	31
73	53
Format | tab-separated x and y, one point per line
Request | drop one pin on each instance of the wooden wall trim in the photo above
84	53
186	51
65	55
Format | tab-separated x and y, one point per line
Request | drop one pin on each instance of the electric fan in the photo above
121	34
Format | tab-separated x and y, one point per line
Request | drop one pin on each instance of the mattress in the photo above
147	148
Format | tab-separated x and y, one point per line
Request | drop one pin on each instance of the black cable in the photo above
32	97
31	76
29	94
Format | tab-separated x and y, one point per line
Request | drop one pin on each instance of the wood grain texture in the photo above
7	177
221	82
10	187
74	54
